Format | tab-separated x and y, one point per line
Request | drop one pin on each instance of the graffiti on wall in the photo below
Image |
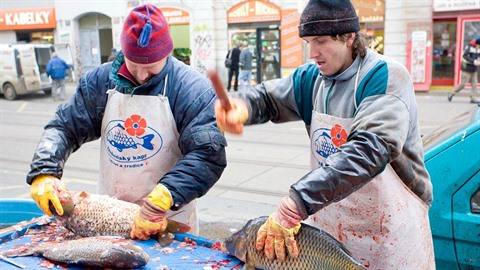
203	49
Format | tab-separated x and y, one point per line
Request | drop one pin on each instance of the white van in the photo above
23	68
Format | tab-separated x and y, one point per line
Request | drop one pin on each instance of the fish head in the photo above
239	242
66	200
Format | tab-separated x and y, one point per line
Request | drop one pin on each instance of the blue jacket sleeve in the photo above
75	123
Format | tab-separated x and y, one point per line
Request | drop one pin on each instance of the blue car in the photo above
452	156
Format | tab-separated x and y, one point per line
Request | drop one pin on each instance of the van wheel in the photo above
48	92
9	91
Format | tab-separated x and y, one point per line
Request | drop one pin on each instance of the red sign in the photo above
291	44
176	16
253	11
26	19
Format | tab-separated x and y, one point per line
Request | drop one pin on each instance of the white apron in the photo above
384	224
139	145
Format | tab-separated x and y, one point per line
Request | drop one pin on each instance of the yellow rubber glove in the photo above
152	216
45	190
232	120
276	235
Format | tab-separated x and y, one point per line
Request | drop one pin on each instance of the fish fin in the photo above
165	239
83	195
177	227
248	266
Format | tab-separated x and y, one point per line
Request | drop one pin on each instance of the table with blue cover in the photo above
186	252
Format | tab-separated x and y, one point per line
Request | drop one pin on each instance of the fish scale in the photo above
123	139
100	215
318	250
89	251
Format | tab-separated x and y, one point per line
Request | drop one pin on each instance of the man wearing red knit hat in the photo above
160	145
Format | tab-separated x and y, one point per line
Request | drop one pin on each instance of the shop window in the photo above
444	45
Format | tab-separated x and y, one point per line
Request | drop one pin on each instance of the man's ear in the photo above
351	39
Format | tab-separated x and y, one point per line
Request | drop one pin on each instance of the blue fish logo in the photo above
322	144
118	139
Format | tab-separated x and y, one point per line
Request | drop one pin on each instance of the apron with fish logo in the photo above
139	145
384	224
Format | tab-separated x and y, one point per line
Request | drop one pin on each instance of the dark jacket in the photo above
191	98
470	53
56	68
235	57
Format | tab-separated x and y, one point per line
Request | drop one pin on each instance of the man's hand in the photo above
45	190
476	62
232	120
152	217
276	236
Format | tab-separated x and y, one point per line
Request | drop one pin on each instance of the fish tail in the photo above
147	142
21	251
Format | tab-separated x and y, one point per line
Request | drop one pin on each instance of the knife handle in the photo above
219	90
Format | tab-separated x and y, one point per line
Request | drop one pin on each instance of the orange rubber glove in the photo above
276	235
232	120
45	190
152	216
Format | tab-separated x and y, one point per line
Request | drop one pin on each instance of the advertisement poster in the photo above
419	46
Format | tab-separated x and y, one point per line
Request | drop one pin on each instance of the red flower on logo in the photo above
135	125
339	135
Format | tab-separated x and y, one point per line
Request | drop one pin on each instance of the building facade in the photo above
204	31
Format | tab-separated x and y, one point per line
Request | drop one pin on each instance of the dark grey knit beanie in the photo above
328	17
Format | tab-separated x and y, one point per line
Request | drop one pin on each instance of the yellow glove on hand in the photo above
232	120
274	238
46	189
152	216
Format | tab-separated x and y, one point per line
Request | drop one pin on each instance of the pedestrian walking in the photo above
160	146
469	67
368	184
245	76
57	70
234	55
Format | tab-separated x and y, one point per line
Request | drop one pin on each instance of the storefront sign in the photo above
291	44
369	10
176	16
26	19
253	11
453	5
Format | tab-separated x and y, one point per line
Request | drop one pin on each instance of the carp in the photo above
102	215
318	250
89	251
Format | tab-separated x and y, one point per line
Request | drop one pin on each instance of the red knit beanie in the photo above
145	36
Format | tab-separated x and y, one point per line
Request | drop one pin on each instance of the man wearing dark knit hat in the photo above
160	146
368	185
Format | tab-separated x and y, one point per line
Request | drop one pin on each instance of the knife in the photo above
177	227
10	261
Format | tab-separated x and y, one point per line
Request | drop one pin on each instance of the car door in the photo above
64	52
28	62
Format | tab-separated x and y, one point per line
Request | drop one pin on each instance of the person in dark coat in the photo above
233	70
470	63
159	144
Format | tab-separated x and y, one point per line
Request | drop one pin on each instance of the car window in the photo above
448	129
